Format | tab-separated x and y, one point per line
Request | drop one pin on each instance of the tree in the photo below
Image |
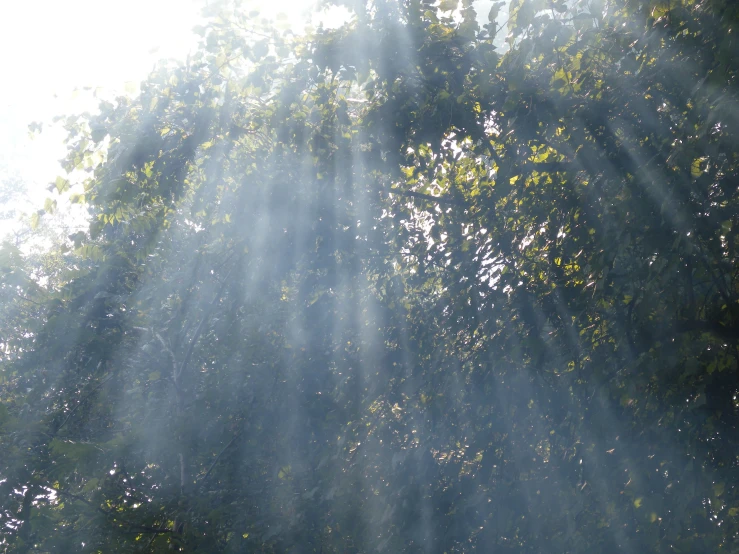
388	287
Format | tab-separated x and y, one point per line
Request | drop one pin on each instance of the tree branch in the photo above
439	199
728	333
108	514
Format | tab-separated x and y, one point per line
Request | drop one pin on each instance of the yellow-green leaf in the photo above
62	185
695	168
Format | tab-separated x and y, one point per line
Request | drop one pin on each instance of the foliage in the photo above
391	287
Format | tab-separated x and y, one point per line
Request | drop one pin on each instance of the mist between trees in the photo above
390	287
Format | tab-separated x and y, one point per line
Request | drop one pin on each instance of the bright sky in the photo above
52	47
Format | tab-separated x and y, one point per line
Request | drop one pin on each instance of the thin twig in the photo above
201	326
213	465
168	350
28	300
233	440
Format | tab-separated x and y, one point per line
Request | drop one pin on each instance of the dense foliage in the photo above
391	287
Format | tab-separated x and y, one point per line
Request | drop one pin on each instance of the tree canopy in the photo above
399	286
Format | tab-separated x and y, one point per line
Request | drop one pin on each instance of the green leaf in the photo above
62	185
91	485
